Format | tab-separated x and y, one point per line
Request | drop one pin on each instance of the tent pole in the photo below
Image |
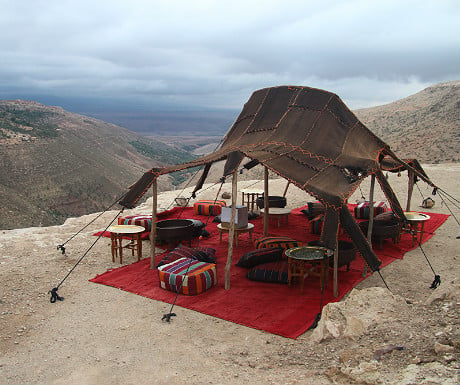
336	267
371	217
266	201
153	230
410	188
286	189
231	234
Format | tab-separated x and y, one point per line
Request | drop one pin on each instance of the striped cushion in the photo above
140	220
276	272
281	242
187	276
317	224
362	210
208	207
259	256
203	254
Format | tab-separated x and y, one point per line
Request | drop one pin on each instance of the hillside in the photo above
55	164
425	125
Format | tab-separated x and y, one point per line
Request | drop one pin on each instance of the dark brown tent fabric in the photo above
305	135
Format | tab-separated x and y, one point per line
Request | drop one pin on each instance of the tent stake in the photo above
266	201
371	217
153	230
231	234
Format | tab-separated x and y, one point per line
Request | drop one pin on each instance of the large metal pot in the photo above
175	230
273	201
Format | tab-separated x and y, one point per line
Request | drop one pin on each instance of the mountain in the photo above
425	125
55	164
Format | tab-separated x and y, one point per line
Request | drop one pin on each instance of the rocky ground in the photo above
101	335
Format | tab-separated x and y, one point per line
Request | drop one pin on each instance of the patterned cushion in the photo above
140	220
276	272
203	254
258	256
313	209
208	207
362	209
317	224
281	242
187	276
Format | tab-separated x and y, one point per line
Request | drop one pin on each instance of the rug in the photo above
272	307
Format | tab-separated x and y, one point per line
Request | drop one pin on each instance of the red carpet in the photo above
274	308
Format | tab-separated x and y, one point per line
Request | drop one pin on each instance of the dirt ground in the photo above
102	335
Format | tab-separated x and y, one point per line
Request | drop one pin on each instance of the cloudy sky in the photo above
214	53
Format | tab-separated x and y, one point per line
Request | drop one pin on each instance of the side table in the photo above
300	257
238	230
277	213
415	219
133	232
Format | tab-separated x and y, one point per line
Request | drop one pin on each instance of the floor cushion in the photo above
187	276
139	220
203	254
281	242
361	211
259	256
275	272
314	209
208	207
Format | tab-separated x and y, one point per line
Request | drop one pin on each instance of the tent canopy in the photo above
309	137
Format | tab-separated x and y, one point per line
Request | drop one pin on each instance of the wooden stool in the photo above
117	232
249	197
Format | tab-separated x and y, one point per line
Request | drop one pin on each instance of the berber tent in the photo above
309	137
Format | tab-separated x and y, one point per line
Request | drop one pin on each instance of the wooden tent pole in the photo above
266	201
231	234
336	267
153	230
410	188
286	189
371	218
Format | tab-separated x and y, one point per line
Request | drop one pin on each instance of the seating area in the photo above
175	232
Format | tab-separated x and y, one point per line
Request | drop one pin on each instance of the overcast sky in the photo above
214	54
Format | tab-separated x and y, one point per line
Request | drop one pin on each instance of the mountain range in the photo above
55	164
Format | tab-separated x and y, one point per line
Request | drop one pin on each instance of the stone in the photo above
441	348
354	316
446	292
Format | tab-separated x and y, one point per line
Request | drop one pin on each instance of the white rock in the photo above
441	348
352	317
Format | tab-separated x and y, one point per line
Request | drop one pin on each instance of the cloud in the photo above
208	53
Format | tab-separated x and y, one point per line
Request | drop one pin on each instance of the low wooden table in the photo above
249	197
277	213
315	256
117	232
415	219
238	230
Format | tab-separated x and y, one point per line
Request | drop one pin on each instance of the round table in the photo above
238	230
414	218
277	213
249	197
133	233
300	257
